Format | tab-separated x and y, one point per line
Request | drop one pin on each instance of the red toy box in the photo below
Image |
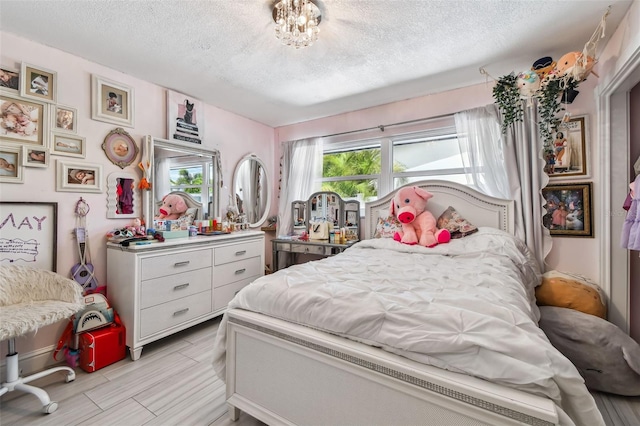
102	347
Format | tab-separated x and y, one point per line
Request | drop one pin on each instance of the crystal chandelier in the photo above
296	22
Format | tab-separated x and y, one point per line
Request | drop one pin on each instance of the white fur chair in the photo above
29	299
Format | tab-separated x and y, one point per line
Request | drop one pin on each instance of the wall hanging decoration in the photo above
38	83
548	86
112	102
29	234
568	208
185	118
23	121
68	145
35	157
120	148
83	272
11	164
10	79
122	199
64	119
566	155
78	177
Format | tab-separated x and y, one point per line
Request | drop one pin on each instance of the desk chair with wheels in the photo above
29	299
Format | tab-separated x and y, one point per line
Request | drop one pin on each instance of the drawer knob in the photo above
185	263
180	312
241	252
181	286
240	271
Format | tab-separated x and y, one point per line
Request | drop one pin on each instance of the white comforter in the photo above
467	306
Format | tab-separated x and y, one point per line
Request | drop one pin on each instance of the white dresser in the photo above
161	288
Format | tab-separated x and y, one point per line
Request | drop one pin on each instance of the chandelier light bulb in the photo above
296	22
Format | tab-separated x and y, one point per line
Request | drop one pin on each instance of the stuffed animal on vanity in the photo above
173	206
418	225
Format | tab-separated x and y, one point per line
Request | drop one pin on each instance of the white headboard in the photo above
477	208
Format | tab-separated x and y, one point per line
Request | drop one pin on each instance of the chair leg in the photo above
15	382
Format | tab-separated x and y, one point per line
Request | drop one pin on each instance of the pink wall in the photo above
234	136
579	255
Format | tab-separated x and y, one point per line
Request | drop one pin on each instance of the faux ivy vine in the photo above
506	94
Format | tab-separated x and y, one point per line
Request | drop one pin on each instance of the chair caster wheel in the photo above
50	407
70	377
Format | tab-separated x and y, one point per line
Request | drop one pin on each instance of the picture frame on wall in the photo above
64	119
68	145
78	177
185	118
112	102
566	156
35	157
40	84
120	148
30	235
10	79
11	164
569	212
24	122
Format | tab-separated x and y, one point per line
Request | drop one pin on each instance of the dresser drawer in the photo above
161	317
169	264
223	295
240	251
236	271
164	289
308	249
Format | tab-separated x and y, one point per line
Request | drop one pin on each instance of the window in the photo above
365	170
194	176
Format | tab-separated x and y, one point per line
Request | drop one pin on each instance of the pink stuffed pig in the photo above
172	207
418	225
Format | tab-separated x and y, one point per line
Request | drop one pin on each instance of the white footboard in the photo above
282	373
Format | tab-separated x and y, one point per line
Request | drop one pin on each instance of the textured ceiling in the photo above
370	52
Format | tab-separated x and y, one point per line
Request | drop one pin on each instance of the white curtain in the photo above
508	166
301	170
162	184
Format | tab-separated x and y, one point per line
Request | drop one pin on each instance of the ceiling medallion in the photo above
296	22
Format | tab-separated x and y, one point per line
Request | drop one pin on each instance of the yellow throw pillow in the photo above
572	291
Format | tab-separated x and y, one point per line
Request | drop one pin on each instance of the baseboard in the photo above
32	362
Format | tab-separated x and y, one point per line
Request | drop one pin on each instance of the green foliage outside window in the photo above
365	162
187	179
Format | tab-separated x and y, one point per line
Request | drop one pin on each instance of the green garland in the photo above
508	99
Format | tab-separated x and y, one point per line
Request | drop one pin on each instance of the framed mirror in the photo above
329	206
252	190
299	216
174	166
122	196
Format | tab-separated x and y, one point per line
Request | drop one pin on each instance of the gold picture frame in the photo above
569	212
566	156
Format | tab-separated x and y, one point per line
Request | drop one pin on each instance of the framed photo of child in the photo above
566	155
568	207
38	83
23	122
111	102
78	177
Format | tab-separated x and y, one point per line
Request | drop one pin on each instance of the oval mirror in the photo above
252	190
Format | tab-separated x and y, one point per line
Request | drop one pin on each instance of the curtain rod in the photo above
383	126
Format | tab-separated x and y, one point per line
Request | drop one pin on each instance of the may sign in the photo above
28	234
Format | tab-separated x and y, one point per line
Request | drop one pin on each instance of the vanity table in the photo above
316	247
324	206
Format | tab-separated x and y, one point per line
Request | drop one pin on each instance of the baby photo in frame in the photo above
38	83
10	79
64	119
11	164
23	121
112	102
35	157
78	177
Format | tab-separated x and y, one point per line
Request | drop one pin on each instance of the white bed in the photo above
282	372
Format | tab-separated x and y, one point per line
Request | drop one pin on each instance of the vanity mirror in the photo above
329	206
175	166
122	195
252	190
